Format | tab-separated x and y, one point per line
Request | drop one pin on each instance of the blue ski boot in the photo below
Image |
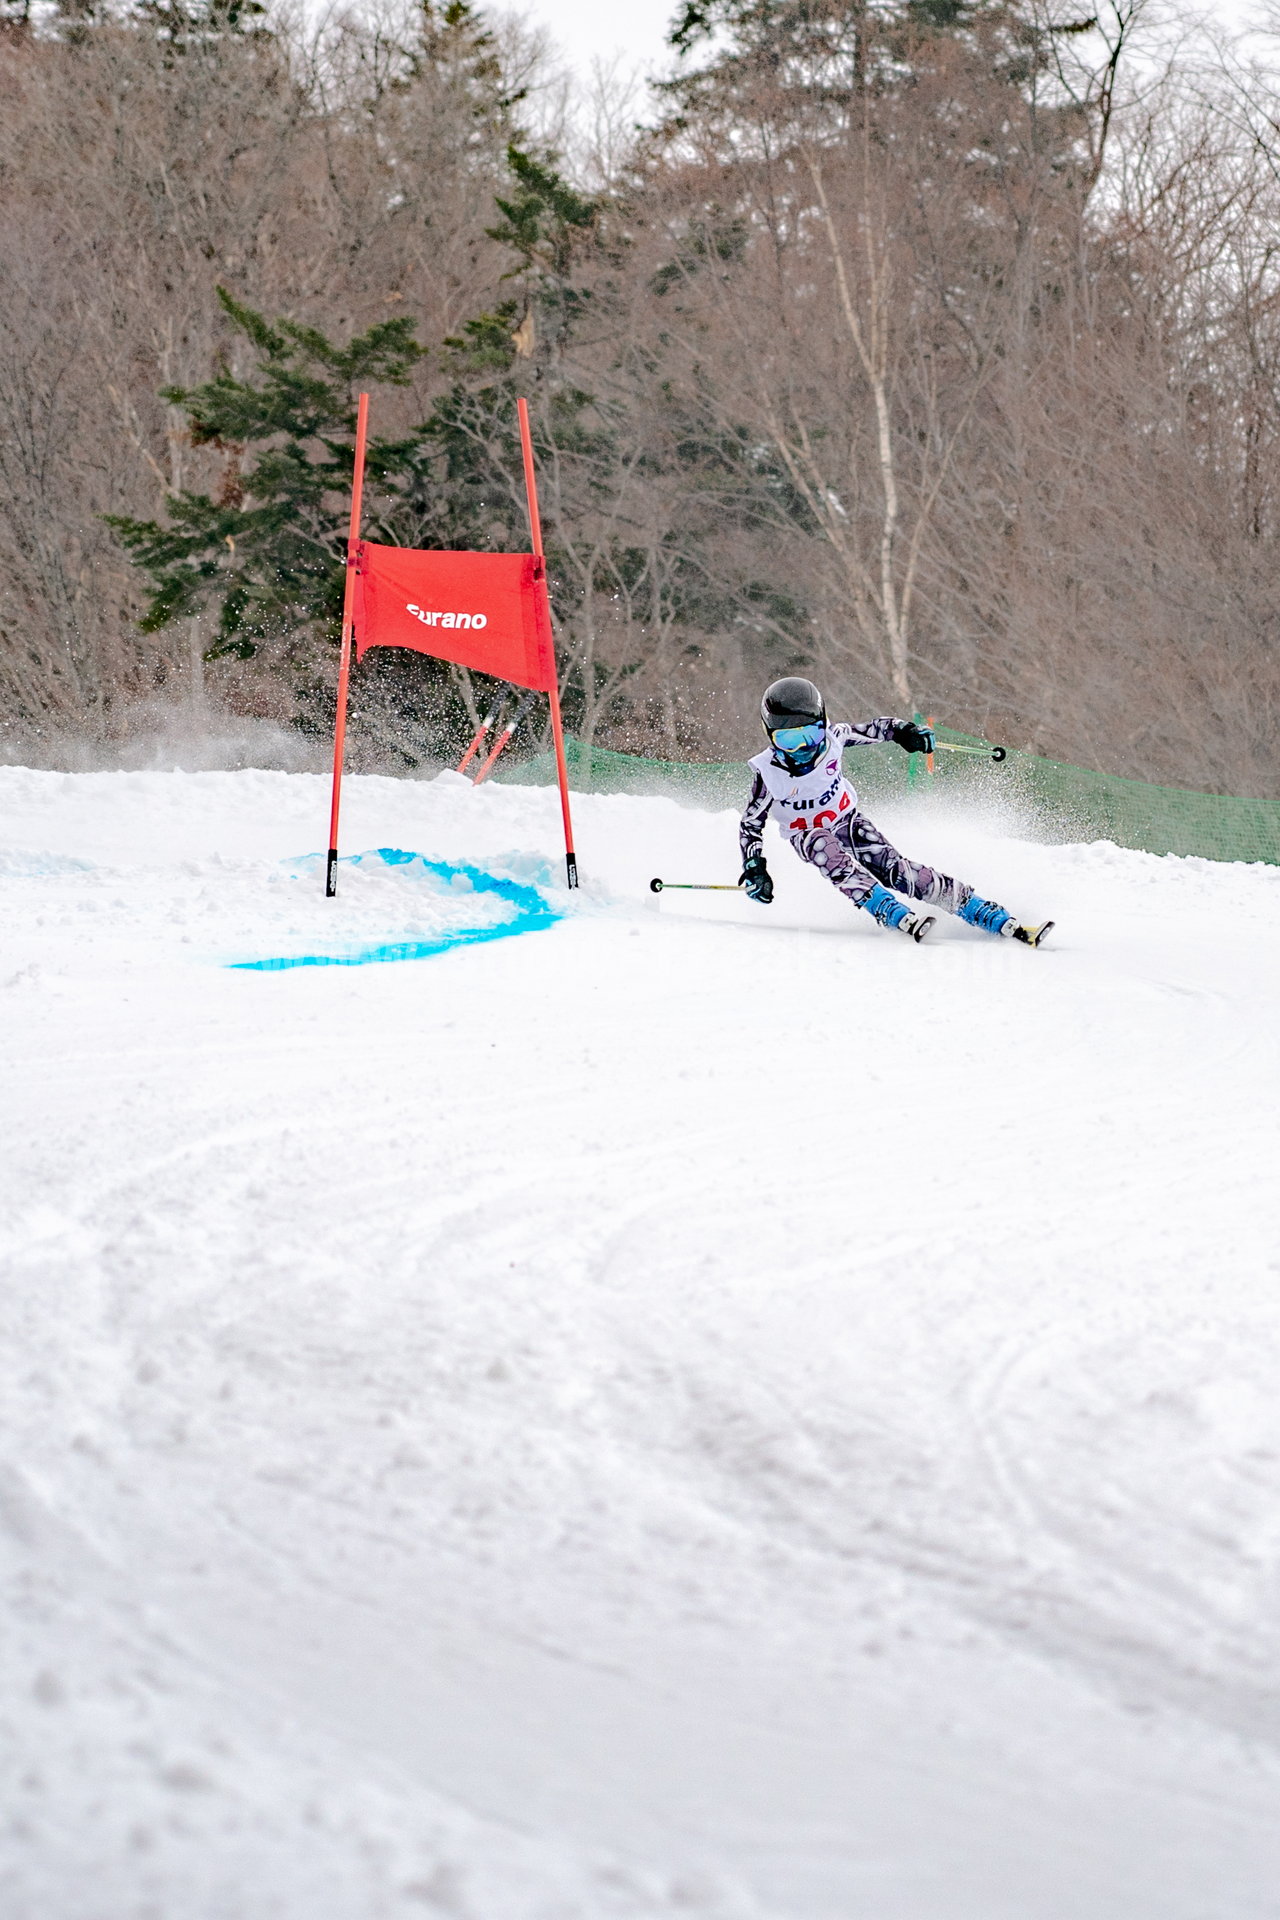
988	916
994	919
891	912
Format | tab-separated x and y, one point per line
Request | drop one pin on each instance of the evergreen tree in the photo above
634	495
517	346
268	548
779	72
453	46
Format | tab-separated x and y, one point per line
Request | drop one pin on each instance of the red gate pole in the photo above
348	622
553	691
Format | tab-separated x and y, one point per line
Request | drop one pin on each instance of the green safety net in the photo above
1051	798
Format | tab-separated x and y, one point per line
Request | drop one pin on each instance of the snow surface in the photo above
686	1410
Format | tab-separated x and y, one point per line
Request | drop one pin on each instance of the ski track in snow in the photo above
698	1410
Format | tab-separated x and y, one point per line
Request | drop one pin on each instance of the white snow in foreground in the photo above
701	1410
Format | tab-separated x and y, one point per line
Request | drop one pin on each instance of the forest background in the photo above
929	347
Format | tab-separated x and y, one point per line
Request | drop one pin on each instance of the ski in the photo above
1033	936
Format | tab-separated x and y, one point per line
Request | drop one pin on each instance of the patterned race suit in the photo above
818	811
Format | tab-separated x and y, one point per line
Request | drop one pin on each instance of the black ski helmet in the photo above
792	703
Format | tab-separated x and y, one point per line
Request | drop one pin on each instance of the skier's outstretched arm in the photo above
755	873
904	733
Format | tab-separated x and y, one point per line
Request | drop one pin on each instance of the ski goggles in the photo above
799	739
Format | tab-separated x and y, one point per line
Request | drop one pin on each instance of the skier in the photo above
818	810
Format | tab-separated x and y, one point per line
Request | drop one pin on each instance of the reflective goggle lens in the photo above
796	739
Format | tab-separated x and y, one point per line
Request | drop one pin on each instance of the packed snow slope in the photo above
667	1408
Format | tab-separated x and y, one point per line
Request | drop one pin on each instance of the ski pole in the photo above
504	736
695	886
983	753
477	739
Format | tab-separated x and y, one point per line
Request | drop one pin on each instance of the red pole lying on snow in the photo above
553	691
348	621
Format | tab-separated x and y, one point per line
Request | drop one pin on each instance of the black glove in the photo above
756	880
914	739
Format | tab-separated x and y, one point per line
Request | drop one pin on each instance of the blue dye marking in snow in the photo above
41	866
531	914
